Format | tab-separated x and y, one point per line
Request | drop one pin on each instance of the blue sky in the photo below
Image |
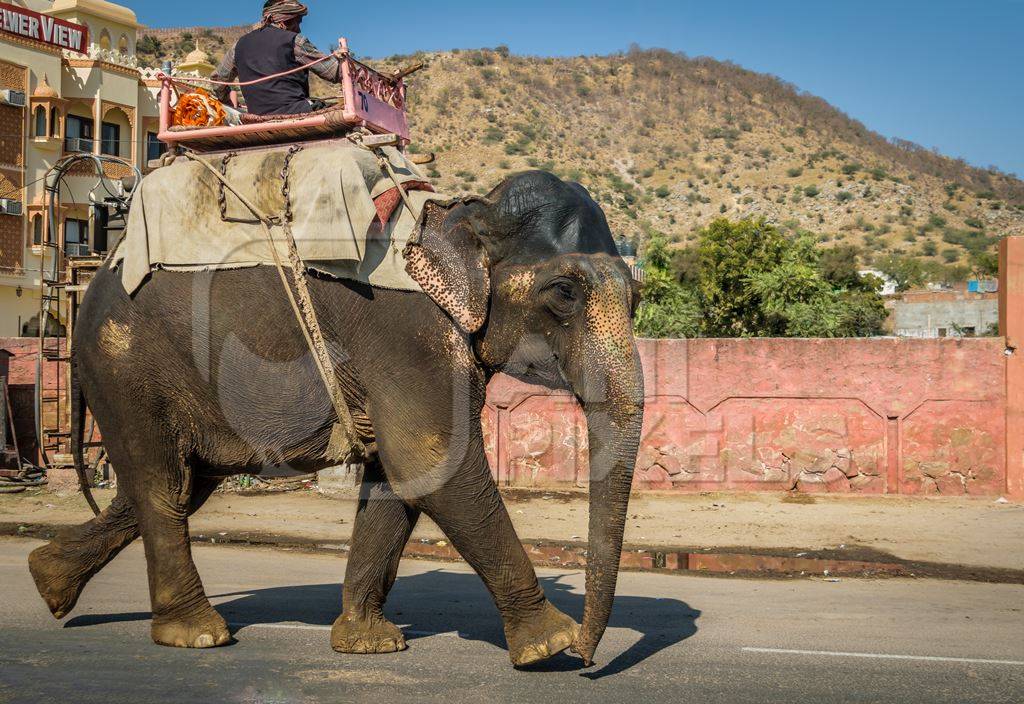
944	73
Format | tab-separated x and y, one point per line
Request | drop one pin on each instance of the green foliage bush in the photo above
794	172
907	272
149	46
748	279
669	309
727	133
479	58
973	241
985	263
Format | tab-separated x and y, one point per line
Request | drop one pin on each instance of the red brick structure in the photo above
22	380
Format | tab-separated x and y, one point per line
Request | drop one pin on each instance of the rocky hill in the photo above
668	143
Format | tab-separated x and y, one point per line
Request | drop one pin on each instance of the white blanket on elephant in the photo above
176	220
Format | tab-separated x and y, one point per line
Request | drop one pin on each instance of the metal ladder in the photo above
62	290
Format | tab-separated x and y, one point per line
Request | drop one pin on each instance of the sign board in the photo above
43	28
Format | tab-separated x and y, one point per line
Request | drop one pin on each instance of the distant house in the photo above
957	313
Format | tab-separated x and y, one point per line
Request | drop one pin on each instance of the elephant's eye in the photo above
565	291
562	299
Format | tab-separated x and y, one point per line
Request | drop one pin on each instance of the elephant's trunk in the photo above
613	404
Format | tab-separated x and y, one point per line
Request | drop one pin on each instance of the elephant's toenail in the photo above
204	641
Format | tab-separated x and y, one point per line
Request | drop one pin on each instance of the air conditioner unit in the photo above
76	249
10	207
12	97
78	144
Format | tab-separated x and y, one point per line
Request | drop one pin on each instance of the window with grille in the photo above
78	135
154	147
40	122
76	237
110	139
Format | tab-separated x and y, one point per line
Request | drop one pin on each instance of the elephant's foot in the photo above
203	629
541	636
57	580
353	633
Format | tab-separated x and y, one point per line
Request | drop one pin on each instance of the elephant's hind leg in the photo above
163	496
63	567
382	528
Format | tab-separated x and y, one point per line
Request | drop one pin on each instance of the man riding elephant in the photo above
275	48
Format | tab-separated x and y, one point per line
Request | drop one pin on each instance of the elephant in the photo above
199	376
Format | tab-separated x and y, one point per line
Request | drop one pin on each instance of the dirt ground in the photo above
959	531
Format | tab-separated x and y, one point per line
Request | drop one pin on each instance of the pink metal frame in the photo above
372	100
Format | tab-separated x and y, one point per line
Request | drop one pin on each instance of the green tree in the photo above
839	266
985	263
907	272
686	266
747	279
730	254
669	309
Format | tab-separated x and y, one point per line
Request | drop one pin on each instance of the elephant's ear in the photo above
446	258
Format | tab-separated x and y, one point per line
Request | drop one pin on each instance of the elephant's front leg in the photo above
469	509
453	486
382	528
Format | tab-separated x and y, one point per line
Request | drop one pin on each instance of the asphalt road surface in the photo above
672	638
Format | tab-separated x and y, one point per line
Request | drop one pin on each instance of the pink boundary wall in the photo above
850	415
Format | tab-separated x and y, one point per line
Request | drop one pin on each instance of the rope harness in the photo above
344	445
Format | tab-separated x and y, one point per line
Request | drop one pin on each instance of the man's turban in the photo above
279	12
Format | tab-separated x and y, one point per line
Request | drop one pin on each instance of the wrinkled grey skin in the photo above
202	376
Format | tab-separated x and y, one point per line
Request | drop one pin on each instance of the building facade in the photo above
69	82
929	314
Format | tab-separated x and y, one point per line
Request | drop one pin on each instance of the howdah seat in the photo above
369	99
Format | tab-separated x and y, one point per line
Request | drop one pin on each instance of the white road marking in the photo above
295	626
313	627
882	656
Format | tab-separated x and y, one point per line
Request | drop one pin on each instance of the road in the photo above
672	638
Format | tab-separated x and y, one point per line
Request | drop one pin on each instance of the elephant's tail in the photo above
78	407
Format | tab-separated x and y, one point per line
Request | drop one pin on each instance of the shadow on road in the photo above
441	601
